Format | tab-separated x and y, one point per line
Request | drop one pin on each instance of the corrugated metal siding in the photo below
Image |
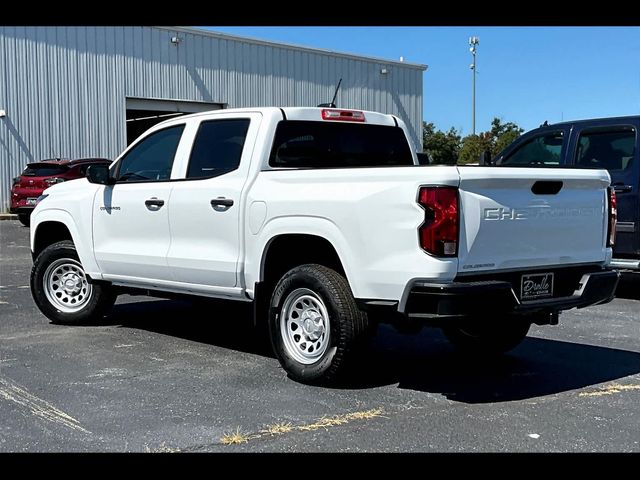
64	88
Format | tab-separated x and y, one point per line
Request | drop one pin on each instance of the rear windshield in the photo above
43	170
306	144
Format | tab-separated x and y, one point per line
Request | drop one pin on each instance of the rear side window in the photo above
217	148
609	149
544	149
306	144
44	170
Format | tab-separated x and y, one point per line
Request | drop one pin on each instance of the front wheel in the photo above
61	289
488	339
315	325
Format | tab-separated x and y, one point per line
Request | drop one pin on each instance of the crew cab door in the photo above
206	206
130	219
614	148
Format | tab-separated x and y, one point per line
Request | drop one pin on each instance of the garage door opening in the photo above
144	113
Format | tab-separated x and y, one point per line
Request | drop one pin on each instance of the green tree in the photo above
494	140
503	134
443	147
473	146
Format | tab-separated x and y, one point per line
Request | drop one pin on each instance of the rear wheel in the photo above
488	338
61	288
315	326
24	218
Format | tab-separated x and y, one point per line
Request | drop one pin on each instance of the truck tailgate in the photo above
515	218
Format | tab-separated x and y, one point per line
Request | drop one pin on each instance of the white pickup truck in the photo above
323	219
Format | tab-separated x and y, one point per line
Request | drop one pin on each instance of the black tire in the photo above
348	326
25	219
488	339
100	299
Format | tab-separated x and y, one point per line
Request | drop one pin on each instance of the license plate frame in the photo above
536	286
31	201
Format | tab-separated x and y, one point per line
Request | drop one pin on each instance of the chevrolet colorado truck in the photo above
323	218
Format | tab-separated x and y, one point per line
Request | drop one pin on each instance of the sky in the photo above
525	75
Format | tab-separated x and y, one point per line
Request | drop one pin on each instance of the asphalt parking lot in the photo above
168	376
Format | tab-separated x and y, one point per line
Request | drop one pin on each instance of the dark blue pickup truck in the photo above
609	143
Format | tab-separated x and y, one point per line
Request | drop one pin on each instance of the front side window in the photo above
306	144
218	147
152	158
541	150
608	149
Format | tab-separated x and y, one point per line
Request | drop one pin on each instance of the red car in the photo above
38	176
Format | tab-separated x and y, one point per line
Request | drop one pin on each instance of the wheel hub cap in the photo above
304	326
66	286
312	325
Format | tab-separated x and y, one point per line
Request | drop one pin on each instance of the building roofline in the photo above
226	36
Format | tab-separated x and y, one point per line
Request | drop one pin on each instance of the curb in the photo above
8	216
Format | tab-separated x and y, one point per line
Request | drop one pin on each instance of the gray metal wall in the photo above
64	88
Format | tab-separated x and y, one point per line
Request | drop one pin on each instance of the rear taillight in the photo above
439	232
343	115
53	180
613	217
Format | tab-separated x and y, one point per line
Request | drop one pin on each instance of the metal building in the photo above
75	92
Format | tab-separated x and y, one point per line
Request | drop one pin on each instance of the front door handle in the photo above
154	202
619	188
221	202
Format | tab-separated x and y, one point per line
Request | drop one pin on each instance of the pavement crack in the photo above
326	422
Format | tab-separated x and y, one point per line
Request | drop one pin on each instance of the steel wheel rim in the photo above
66	286
304	326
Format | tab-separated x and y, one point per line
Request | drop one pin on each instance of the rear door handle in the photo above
221	202
154	202
622	188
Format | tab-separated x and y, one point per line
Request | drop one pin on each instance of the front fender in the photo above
80	235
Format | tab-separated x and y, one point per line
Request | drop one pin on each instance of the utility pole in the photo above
474	42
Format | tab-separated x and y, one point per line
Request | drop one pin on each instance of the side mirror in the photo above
99	174
485	158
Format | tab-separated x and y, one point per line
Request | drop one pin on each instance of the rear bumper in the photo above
465	299
21	210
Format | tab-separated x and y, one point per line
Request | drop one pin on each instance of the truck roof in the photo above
594	120
299	113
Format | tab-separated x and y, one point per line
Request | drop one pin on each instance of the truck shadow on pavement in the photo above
629	286
537	367
424	362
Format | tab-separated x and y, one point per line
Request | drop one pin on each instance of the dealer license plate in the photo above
535	286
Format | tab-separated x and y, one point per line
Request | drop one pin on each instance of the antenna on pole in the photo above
333	101
474	42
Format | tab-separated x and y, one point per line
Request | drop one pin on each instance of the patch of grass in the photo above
236	438
326	422
365	415
277	429
610	390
